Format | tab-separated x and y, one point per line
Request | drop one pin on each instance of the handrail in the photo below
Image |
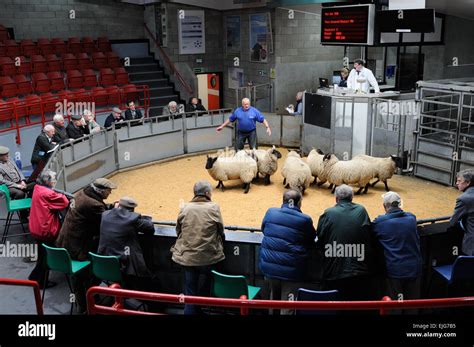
169	62
27	283
226	227
244	304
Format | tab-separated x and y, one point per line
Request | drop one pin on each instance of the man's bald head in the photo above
292	197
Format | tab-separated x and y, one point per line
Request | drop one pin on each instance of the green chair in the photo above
106	268
58	259
12	207
229	286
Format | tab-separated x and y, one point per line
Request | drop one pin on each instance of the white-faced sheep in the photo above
240	166
347	172
296	173
315	162
267	162
384	168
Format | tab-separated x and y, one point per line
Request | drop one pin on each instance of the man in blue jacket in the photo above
397	233
288	236
247	117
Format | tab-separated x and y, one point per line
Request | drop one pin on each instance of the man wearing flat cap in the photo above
114	117
12	177
77	128
119	237
80	231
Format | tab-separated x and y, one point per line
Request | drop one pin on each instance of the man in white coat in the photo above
361	78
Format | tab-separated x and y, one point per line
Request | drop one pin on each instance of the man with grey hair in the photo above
397	232
44	145
199	248
463	216
344	235
297	110
171	109
60	134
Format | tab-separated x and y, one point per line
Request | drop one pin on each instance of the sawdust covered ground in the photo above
160	188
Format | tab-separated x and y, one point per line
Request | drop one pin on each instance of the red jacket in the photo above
45	205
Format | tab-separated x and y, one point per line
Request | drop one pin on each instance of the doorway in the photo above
210	90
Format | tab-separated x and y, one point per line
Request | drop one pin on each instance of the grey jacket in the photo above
464	217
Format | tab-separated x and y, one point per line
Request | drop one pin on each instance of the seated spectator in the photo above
60	134
44	222
195	106
397	233
288	235
13	178
344	75
114	117
43	146
77	127
172	109
132	112
93	126
297	110
345	238
119	237
199	247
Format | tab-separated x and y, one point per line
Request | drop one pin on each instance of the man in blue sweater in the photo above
396	230
288	237
247	117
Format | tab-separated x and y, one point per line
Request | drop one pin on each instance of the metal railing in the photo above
256	93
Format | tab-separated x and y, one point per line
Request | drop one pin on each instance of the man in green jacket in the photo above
344	236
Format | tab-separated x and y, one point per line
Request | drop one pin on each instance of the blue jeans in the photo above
197	282
250	136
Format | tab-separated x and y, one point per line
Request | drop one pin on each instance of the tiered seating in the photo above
41	82
24	67
38	64
57	80
7	66
74	79
60	46
69	61
23	84
45	46
107	77
89	78
54	63
29	48
8	86
13	49
103	44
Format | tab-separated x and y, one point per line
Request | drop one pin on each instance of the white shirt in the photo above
365	86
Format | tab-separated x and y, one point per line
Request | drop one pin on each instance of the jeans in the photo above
250	136
197	282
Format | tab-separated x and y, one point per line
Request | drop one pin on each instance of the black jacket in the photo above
129	116
193	108
61	135
42	146
76	132
111	120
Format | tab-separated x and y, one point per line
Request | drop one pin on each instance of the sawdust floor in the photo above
160	188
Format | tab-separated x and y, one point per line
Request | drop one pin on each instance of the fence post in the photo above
244	311
384	311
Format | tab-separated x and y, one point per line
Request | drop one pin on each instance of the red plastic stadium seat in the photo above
13	49
20	106
24	67
103	44
88	44
6	112
54	63
121	76
84	61
7	66
23	84
49	102
38	64
3	34
114	95
8	87
41	83
74	79
59	45
107	77
45	46
130	92
57	80
33	105
100	96
100	60
90	79
3	50
69	61
28	47
74	45
113	59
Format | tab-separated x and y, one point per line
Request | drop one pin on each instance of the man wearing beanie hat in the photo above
77	127
119	237
114	117
12	176
397	233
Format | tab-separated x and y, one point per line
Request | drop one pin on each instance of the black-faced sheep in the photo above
296	173
384	168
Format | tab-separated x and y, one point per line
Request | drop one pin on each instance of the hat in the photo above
127	202
116	110
104	183
76	117
392	199
4	150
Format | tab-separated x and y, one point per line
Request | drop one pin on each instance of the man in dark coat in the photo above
60	135
345	238
77	127
119	237
114	117
288	237
132	112
43	145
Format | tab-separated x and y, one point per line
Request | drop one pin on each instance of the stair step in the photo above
154	111
144	76
143	60
168	90
162	100
143	68
156	83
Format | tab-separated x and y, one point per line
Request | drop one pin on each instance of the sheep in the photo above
296	173
384	168
347	172
226	152
267	162
315	162
230	168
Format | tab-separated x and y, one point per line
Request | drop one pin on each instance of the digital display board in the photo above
348	25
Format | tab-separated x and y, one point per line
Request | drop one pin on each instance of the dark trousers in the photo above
283	290
242	137
404	289
352	288
197	282
40	269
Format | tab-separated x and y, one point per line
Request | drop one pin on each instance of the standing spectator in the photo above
463	215
77	127
13	178
200	244
297	110
344	234
360	78
288	235
119	230
195	106
44	222
89	118
133	112
60	134
43	145
397	233
247	117
114	117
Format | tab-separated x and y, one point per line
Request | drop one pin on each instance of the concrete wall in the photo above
33	19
